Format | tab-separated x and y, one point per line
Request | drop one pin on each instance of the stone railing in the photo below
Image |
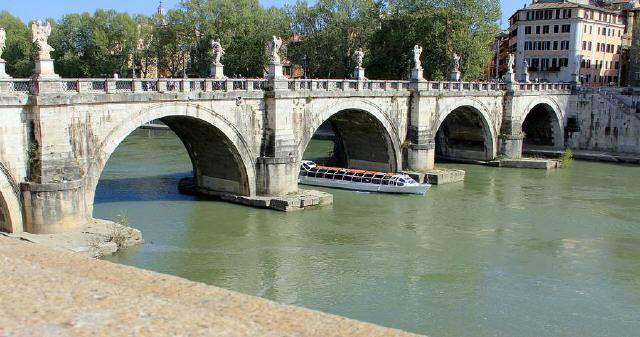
346	85
83	85
545	86
127	85
463	86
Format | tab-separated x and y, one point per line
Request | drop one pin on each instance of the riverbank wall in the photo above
605	121
53	293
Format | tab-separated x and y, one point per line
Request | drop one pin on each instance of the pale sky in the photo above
40	9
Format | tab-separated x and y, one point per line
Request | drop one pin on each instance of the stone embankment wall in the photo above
605	121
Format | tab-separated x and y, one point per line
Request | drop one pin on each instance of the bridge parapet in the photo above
563	87
116	85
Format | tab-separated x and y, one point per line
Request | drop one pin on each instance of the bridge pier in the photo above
54	207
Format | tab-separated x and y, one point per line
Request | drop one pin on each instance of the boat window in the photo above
366	180
385	182
303	173
357	179
400	184
376	181
347	178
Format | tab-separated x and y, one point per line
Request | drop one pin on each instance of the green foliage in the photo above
567	158
97	45
108	42
19	48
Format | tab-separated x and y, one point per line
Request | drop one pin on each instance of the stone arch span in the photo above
543	124
10	206
222	160
366	135
464	130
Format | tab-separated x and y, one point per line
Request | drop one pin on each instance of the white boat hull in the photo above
367	187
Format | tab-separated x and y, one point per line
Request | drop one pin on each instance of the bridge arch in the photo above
10	206
366	135
464	130
221	158
543	124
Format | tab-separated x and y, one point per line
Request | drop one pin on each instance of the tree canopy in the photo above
322	37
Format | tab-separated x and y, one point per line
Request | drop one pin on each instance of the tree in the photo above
331	31
97	45
19	52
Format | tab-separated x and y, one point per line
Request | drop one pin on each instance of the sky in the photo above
40	9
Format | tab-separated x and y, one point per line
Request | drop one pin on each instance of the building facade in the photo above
571	41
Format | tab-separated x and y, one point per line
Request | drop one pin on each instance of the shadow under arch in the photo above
465	132
221	159
364	136
542	125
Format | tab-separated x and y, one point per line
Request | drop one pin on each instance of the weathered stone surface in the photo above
444	176
527	163
244	140
88	297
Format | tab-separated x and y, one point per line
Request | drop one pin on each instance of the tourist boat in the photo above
359	180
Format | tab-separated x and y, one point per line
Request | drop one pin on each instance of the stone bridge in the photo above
247	136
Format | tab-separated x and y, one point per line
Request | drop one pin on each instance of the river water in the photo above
506	253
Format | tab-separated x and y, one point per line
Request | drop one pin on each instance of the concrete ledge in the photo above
51	293
612	157
444	176
437	176
294	202
52	187
526	163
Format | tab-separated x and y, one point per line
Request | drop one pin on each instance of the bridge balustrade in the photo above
29	86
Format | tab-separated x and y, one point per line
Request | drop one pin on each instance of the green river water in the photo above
506	253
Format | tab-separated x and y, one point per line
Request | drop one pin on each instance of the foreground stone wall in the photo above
86	297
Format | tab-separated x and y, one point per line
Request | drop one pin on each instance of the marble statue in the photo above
274	49
40	32
455	63
525	65
3	41
511	63
358	57
417	52
218	51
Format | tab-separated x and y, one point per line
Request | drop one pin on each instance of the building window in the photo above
545	29
566	28
537	29
637	76
555	45
527	30
584	45
564	62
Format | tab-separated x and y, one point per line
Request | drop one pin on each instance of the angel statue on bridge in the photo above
417	52
274	49
455	62
358	57
218	51
3	41
511	63
40	32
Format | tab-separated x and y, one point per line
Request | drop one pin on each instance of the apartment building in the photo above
569	41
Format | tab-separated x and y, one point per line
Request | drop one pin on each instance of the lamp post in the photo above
305	63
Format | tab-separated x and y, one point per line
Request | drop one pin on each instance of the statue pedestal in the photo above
275	71
417	74
3	71
509	77
358	74
455	76
44	70
217	71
